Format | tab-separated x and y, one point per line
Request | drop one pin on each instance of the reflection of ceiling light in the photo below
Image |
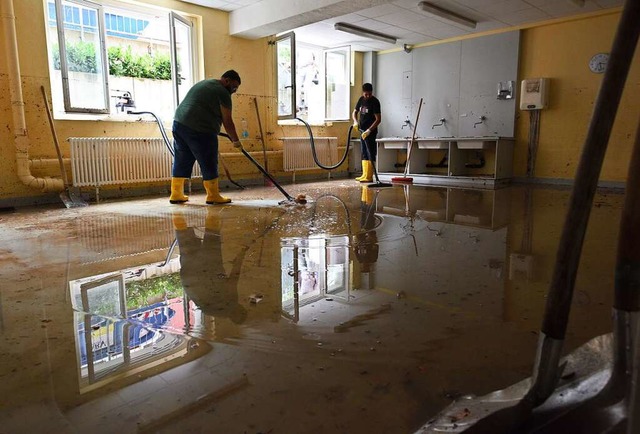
447	14
355	30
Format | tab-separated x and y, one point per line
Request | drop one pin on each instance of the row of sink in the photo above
483	142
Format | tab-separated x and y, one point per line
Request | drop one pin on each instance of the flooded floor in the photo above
362	311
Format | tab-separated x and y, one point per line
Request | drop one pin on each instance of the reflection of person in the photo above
202	272
196	125
366	240
366	118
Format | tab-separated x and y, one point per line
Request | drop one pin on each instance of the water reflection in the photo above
204	278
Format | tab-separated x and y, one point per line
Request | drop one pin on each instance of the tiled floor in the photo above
359	312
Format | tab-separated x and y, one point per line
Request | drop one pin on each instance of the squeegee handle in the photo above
264	172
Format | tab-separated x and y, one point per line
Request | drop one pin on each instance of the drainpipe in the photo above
17	105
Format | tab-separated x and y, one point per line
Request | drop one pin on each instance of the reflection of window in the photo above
117	335
117	57
313	268
313	83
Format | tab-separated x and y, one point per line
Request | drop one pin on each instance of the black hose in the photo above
167	142
313	148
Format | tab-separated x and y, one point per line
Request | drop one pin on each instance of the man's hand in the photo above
355	126
365	134
238	144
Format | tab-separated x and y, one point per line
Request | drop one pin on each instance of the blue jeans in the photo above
191	146
369	147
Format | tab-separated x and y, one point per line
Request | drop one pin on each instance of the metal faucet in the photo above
442	122
482	119
124	100
407	123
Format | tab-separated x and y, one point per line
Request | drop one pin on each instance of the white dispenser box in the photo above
533	94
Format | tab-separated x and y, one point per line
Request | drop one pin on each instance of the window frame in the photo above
285	118
292	42
173	17
347	50
64	67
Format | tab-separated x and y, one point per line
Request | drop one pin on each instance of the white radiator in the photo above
297	153
97	161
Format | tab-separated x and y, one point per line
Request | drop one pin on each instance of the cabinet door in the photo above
485	62
436	78
393	89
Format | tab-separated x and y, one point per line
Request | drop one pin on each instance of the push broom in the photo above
404	179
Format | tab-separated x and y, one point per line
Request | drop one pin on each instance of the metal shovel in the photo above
70	197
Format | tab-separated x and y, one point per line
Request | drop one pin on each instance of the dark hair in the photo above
367	87
232	75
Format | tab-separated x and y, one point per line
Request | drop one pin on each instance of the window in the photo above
113	57
313	83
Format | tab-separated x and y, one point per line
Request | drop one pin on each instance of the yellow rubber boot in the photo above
212	221
366	196
368	174
177	191
213	192
179	222
364	171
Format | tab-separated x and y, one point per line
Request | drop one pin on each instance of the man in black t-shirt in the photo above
366	118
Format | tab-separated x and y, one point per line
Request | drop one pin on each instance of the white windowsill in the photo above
95	117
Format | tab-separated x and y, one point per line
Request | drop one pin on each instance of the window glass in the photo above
338	83
286	61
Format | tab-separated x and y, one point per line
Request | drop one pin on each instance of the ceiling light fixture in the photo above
447	14
360	31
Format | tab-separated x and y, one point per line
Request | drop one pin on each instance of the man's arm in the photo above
376	122
354	116
229	126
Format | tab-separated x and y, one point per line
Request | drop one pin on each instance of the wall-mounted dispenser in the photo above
533	94
505	89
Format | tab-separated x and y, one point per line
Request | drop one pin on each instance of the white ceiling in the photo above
313	20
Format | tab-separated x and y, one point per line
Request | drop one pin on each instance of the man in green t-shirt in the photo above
196	125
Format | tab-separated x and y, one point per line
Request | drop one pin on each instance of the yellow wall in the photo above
253	59
561	52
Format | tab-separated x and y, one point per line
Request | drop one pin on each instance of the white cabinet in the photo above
470	161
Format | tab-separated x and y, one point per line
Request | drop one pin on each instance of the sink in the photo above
394	142
432	143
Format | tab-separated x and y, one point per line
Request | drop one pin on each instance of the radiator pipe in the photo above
17	105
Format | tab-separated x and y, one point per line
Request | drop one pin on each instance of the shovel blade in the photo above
72	199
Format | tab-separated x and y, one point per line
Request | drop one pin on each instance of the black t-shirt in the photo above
367	109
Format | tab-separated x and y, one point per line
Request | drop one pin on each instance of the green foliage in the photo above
81	57
145	292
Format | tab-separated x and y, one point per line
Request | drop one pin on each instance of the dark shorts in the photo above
191	146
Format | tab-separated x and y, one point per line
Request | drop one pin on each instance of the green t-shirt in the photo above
200	108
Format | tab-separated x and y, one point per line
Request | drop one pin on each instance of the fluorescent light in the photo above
447	14
360	31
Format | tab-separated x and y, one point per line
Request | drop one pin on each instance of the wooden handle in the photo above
55	137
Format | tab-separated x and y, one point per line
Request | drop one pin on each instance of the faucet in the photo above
124	100
407	123
482	119
442	122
